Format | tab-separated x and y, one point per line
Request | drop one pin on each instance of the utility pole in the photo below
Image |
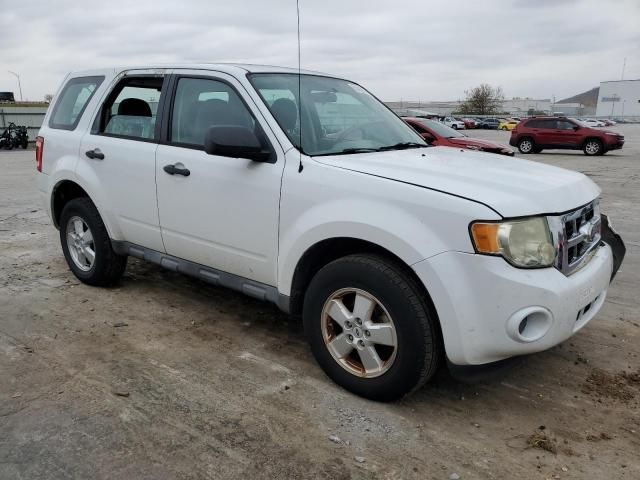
19	86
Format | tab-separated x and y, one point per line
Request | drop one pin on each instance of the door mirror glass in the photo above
236	142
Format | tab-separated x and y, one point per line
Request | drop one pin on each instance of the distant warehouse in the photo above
619	99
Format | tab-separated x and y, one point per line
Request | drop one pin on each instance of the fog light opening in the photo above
529	324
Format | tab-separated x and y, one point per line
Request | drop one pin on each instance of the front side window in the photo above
72	101
201	103
130	110
337	116
565	125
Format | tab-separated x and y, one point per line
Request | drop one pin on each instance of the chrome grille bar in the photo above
576	236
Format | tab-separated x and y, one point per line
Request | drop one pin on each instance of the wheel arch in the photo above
62	193
66	190
592	137
329	249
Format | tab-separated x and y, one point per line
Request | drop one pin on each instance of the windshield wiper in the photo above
347	151
402	146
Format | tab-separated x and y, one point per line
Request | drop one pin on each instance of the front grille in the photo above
577	235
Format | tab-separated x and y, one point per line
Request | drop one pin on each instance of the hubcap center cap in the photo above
357	332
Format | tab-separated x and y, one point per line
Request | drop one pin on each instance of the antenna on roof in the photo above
300	167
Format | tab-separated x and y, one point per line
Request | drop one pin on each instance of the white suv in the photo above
453	123
394	253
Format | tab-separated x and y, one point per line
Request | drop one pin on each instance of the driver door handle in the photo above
176	170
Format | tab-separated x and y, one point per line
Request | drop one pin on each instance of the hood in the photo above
511	186
462	141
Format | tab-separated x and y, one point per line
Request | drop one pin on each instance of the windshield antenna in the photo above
300	167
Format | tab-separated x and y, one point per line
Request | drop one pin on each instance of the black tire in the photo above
419	345
108	266
593	147
526	145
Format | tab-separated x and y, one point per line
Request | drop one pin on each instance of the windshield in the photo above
338	117
440	128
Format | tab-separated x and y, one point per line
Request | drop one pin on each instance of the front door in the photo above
120	150
224	214
565	134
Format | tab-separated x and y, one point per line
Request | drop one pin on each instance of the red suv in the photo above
534	134
438	134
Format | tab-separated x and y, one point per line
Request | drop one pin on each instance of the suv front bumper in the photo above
490	310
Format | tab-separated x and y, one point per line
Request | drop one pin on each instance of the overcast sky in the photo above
399	49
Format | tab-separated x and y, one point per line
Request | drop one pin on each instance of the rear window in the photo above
72	101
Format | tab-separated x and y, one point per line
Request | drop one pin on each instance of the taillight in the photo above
39	152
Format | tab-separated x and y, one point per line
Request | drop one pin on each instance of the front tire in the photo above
525	145
593	147
370	327
86	244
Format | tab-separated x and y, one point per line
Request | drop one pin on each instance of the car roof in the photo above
231	68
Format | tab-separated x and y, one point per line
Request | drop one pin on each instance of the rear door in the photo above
542	131
225	213
120	150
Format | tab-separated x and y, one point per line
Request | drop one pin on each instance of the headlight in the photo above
524	243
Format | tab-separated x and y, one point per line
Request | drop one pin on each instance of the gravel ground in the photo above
164	377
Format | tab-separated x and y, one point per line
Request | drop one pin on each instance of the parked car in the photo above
437	134
590	122
535	134
489	123
507	124
469	123
393	253
453	123
608	123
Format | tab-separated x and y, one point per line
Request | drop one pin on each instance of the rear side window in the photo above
541	123
130	110
72	101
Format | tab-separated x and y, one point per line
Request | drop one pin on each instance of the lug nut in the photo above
367	333
350	337
361	343
359	321
348	324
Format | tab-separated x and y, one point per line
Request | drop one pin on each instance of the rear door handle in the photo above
95	154
177	169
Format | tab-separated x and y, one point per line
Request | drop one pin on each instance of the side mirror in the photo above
428	137
236	142
576	128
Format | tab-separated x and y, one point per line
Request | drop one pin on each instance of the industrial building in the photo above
619	99
516	106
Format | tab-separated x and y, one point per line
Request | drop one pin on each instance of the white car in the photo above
590	122
395	254
453	123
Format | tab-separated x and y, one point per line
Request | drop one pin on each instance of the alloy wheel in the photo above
359	333
592	147
80	243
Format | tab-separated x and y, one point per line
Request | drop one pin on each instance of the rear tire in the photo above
593	147
334	302
526	145
86	244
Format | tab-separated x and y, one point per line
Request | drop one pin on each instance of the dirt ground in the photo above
164	377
